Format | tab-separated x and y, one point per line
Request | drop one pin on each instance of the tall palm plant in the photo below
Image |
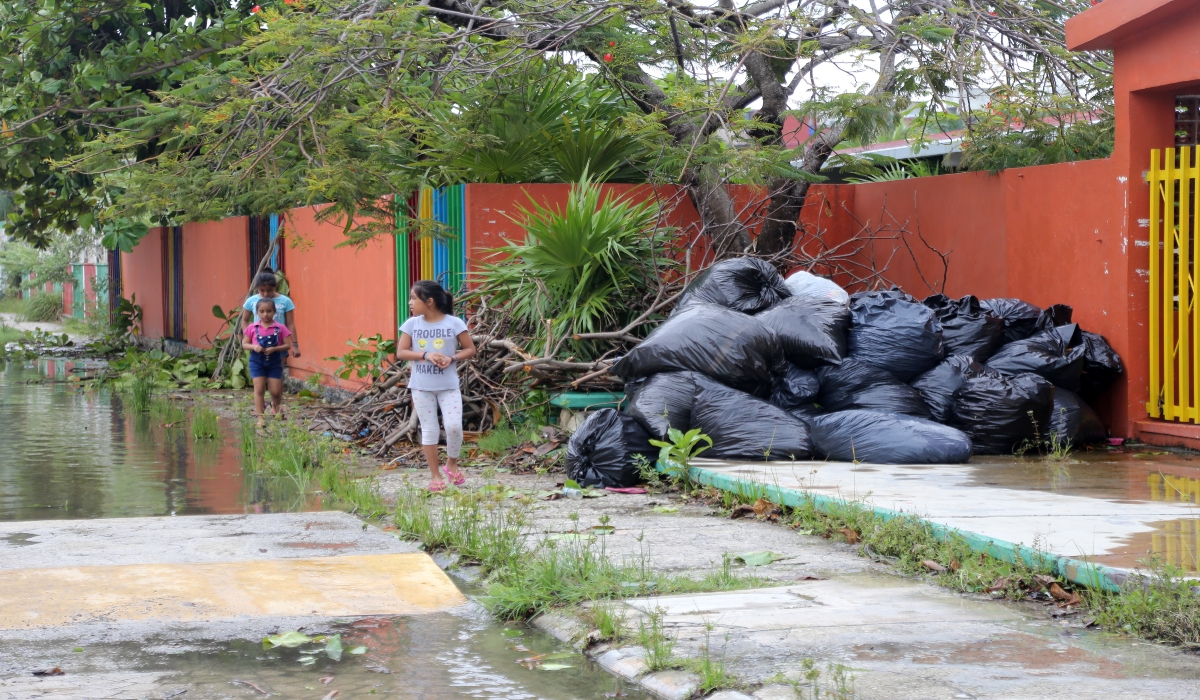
583	269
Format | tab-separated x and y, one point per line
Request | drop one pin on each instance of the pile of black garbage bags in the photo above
775	369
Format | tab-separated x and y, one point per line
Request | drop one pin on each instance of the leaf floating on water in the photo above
665	509
602	529
333	647
290	640
512	633
555	667
308	660
358	651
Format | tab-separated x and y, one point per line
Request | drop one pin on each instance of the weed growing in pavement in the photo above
712	672
909	543
1161	604
648	474
609	619
205	425
660	647
481	529
525	578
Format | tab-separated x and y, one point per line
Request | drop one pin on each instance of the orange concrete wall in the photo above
216	271
141	277
1049	234
492	213
340	293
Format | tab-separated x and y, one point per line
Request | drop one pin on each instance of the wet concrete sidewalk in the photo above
213	576
899	637
1114	509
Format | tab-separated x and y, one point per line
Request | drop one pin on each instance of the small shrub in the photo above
43	307
499	440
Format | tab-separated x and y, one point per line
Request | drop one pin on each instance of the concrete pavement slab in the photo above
1108	511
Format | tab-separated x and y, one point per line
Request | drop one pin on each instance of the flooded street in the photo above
69	452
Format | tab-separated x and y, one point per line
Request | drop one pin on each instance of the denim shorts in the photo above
269	366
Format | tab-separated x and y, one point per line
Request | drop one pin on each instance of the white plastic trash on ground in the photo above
806	284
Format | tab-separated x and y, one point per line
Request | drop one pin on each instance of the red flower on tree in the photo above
608	58
255	10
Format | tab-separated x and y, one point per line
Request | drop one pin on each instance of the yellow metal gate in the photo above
1174	314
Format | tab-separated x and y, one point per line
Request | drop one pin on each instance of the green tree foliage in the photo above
344	101
72	71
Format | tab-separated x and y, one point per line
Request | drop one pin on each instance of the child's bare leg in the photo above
431	458
275	386
260	389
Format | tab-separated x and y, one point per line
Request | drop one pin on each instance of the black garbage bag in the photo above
1101	364
1045	353
744	427
856	384
1002	413
939	386
1054	316
1074	421
601	452
795	388
967	328
893	331
662	402
879	438
729	346
748	285
812	331
1020	317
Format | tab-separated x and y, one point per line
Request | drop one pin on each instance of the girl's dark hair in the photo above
260	302
428	289
266	278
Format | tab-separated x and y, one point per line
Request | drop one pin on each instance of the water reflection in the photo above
70	451
1116	476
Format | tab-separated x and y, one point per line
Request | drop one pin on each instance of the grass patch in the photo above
11	305
8	334
305	462
525	576
43	307
1159	605
499	440
167	412
906	542
205	425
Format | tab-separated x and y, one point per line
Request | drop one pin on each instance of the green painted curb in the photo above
1074	570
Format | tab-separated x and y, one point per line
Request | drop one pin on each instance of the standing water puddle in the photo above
69	452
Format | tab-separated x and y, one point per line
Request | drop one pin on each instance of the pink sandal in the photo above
456	478
437	485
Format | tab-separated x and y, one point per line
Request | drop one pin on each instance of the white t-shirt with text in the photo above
429	337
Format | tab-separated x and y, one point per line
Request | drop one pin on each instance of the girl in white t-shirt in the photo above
434	341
